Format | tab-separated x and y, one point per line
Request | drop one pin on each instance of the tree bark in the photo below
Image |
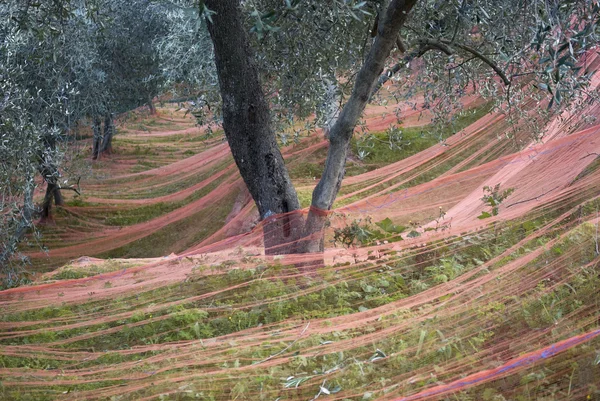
97	140
51	192
340	134
109	131
24	223
151	106
246	122
49	172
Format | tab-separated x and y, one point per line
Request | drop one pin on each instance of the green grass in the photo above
128	217
415	140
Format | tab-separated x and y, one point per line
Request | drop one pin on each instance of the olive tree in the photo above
34	112
489	44
123	35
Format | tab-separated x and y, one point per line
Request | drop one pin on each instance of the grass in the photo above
68	272
210	336
179	235
414	140
275	294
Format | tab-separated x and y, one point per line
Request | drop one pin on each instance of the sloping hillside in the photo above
162	290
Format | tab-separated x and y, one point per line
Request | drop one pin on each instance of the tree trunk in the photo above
109	131
246	122
23	224
51	191
13	274
49	172
97	140
340	134
151	106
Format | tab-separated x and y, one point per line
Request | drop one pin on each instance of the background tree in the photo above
61	62
34	111
127	62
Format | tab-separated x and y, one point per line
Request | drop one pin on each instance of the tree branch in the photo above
482	57
534	198
76	188
286	348
444	46
400	45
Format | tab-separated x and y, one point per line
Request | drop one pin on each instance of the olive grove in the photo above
500	49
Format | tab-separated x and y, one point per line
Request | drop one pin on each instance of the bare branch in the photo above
286	348
534	198
400	45
482	57
444	46
76	188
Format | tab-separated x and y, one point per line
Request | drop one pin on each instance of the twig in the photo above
535	198
73	187
590	154
482	57
286	348
597	246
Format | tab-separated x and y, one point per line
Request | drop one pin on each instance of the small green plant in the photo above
359	231
494	197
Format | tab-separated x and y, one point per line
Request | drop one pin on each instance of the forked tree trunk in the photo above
97	140
246	122
109	132
252	141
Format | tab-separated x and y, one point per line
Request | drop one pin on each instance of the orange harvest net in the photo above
435	303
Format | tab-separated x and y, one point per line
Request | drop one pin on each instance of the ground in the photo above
156	286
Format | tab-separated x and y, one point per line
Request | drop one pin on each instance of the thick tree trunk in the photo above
109	132
246	122
97	140
340	134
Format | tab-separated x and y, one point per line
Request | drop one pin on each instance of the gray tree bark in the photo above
340	134
246	123
109	132
97	140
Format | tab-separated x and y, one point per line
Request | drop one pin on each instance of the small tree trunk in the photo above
109	131
58	198
23	224
51	189
151	106
97	140
49	172
328	187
